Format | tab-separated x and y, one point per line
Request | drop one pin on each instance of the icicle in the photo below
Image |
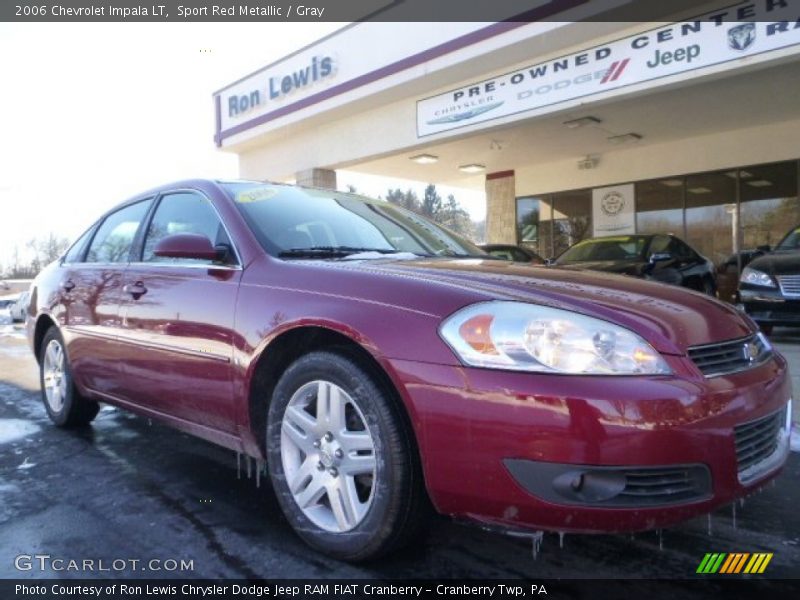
709	524
660	539
258	473
238	465
247	458
537	539
734	515
561	539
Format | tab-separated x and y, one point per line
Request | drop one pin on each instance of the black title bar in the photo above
230	11
337	589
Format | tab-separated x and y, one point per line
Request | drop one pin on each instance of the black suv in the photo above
769	288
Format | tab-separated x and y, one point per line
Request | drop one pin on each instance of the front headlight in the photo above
756	277
529	337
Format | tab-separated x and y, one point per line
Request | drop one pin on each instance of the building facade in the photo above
689	125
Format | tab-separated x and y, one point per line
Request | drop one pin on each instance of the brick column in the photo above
501	209
321	178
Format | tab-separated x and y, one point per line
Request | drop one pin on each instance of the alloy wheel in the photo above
328	456
54	377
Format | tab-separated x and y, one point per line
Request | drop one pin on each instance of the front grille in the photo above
732	356
756	441
790	285
665	485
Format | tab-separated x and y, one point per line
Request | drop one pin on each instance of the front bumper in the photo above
496	446
769	306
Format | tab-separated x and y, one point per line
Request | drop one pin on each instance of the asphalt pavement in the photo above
125	489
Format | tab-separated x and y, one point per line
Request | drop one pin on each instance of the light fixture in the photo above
582	122
759	183
472	168
742	174
699	190
672	182
424	159
624	138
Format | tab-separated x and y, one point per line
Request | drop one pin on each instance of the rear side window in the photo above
114	238
680	250
75	253
184	212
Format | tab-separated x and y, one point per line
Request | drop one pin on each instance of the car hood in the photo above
625	267
778	263
670	318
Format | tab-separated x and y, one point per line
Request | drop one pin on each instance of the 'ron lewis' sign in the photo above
692	46
277	87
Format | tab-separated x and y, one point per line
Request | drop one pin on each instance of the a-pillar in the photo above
320	178
501	210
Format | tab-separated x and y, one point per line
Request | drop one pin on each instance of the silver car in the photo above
20	308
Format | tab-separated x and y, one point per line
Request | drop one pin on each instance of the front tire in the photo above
64	405
342	459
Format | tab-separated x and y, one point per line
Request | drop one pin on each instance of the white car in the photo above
6	303
20	308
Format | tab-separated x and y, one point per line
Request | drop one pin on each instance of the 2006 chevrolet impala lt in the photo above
380	364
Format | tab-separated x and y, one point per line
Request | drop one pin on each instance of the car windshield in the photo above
300	222
791	241
628	247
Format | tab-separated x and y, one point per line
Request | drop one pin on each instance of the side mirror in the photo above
657	257
764	248
186	245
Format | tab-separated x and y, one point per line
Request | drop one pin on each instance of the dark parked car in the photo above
769	288
379	364
519	254
663	258
728	272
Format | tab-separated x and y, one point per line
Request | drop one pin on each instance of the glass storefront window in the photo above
659	206
545	248
724	223
572	219
528	220
769	204
711	214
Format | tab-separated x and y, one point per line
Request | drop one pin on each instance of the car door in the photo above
177	318
89	295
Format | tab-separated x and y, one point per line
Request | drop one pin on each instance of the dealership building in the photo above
689	125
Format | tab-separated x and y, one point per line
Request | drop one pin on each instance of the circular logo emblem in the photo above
612	204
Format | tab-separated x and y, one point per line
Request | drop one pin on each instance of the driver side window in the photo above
184	212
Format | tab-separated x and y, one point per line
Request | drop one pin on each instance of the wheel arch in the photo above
43	323
288	346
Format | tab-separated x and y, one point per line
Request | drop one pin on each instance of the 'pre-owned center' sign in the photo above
696	44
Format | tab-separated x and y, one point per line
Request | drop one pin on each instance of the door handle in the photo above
68	285
136	289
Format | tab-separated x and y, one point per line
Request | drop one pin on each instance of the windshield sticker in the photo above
255	195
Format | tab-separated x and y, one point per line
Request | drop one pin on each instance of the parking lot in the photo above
129	489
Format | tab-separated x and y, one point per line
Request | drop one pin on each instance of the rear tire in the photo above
342	459
64	405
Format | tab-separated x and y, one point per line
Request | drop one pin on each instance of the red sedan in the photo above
378	365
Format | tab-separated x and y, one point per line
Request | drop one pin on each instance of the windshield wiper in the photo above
330	251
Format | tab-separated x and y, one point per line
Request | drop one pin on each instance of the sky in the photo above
91	114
